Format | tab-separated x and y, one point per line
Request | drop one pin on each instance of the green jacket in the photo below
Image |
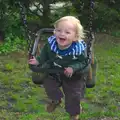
56	61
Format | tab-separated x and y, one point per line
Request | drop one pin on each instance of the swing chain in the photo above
91	34
28	33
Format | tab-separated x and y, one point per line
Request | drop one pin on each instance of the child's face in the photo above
65	33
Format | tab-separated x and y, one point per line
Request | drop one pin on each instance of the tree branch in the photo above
38	7
35	13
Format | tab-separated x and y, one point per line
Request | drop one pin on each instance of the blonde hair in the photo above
76	22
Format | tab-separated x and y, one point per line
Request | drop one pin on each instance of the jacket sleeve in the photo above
81	63
42	58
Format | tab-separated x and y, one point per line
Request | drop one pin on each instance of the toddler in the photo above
69	52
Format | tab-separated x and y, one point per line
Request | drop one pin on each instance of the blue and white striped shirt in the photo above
75	49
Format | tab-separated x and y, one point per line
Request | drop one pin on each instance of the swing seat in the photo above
39	74
90	82
38	78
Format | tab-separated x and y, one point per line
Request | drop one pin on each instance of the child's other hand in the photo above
33	61
68	72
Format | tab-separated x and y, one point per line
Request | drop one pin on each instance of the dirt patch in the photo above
102	37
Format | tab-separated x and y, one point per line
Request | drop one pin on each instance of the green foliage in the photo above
12	44
8	67
60	12
115	33
106	18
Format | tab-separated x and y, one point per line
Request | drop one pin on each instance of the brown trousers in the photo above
73	89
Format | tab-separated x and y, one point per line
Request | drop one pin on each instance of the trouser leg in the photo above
52	89
74	91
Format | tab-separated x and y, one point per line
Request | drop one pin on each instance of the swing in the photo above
33	47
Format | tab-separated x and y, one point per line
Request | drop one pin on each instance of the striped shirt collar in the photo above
76	48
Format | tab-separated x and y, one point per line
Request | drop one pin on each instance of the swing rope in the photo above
28	32
90	34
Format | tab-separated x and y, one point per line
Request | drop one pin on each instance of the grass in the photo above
23	100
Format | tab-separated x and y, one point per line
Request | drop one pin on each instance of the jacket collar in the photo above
75	49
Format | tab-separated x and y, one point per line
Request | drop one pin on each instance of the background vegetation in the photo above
44	13
20	99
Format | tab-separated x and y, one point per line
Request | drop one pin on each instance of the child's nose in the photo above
62	33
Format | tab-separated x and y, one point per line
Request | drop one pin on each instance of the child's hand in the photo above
68	72
33	61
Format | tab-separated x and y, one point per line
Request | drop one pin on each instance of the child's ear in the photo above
54	32
76	37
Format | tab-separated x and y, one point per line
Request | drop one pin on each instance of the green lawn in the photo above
20	99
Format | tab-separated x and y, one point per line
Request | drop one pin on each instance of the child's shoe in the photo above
52	106
76	117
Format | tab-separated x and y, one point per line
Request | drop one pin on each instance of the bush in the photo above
12	44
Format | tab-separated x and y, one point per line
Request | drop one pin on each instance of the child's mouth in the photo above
62	39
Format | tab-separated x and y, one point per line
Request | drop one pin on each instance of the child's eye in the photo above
68	32
58	30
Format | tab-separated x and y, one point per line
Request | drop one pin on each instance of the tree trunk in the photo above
46	14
